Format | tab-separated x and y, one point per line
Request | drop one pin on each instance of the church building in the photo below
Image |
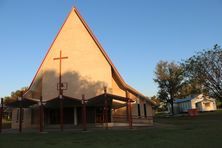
77	85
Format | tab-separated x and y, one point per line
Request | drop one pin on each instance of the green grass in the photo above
203	131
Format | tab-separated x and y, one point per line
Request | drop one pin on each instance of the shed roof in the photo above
184	99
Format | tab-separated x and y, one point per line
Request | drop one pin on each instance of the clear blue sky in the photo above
136	34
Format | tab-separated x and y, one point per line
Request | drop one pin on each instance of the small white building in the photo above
200	102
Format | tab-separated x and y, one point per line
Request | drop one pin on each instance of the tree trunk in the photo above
172	107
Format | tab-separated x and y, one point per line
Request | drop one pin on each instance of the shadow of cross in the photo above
60	58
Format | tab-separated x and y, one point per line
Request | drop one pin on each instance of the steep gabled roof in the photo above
124	84
106	56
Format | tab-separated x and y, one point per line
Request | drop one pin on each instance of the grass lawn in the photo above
204	131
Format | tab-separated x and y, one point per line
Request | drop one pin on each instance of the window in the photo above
196	105
207	104
144	107
32	116
18	115
138	107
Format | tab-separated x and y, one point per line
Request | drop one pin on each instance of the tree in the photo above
206	69
160	105
190	88
169	77
14	95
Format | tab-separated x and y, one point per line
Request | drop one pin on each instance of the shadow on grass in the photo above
200	132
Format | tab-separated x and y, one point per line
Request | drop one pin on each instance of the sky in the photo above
136	35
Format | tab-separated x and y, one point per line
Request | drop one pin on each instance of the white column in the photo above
75	116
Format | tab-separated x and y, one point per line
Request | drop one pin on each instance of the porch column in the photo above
130	113
20	113
129	110
84	113
75	116
106	108
61	112
41	115
1	114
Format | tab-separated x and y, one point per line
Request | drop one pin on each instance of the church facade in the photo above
78	84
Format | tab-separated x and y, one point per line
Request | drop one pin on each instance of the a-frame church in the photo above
77	84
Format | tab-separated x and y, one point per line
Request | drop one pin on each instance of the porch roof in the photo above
71	102
67	102
100	100
24	103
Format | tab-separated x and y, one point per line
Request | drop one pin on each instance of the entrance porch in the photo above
105	110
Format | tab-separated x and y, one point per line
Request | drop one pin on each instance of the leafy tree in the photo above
190	88
169	77
155	99
14	95
206	69
160	105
